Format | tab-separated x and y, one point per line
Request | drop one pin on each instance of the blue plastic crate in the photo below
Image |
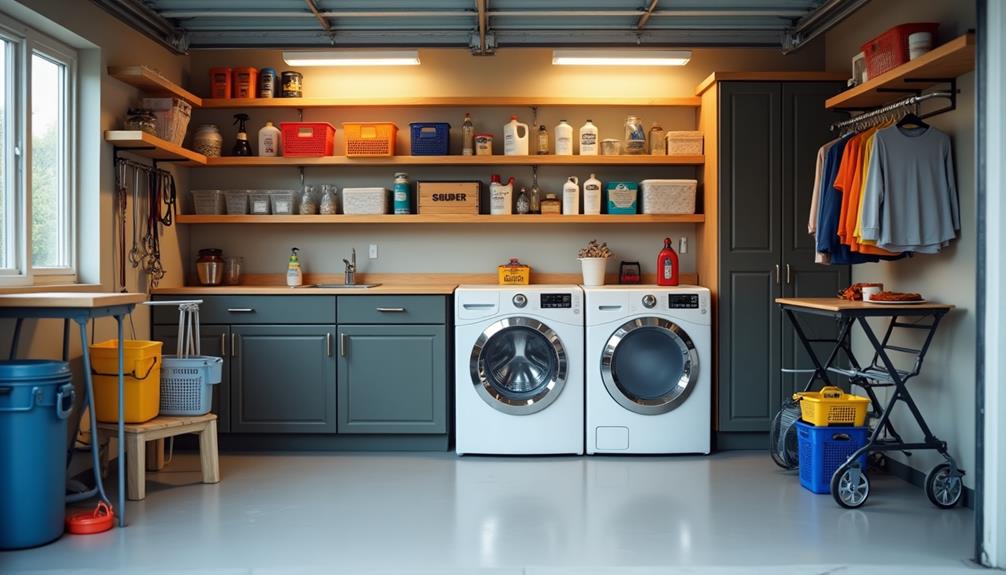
430	138
825	449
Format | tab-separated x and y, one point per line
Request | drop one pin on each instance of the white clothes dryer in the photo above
519	369
649	360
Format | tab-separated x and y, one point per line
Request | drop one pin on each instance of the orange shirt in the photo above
850	181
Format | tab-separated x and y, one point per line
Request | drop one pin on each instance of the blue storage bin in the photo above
35	399
825	449
430	138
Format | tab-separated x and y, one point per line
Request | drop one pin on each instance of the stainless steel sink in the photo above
343	286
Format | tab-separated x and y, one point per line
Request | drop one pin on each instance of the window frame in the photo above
25	43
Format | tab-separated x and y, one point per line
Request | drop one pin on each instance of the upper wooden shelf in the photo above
143	144
502	101
550	160
946	62
447	219
152	83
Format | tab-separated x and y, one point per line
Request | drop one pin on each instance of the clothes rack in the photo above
890	108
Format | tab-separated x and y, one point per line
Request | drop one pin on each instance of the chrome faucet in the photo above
350	278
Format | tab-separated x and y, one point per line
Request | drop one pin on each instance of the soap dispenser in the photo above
294	274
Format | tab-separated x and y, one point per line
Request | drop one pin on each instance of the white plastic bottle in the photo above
294	273
500	197
592	195
515	144
269	141
571	196
588	141
563	139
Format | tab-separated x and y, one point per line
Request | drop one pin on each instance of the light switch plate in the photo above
373	251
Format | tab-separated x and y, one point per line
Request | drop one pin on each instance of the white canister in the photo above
593	271
870	291
501	197
571	196
592	196
563	139
919	43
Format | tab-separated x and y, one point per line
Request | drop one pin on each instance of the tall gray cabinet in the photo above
768	135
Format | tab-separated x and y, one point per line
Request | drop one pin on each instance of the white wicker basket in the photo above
362	201
669	196
684	143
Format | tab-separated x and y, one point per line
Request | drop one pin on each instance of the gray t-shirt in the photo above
910	202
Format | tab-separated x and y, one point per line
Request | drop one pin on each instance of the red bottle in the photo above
667	265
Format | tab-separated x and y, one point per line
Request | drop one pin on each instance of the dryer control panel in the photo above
683	301
556	301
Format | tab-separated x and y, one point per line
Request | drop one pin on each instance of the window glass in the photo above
49	206
7	212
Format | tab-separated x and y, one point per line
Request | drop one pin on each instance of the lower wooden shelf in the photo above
448	219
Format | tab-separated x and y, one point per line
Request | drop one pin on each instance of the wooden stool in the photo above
155	430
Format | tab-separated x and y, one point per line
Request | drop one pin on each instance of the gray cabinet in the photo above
214	341
283	379
769	134
392	379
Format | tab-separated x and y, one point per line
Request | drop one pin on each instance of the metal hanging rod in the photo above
910	101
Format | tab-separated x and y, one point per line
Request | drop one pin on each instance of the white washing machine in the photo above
519	369
649	363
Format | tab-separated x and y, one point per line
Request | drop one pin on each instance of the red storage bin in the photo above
890	49
308	139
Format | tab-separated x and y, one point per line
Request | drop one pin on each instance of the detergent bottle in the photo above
667	265
514	143
294	275
571	196
500	196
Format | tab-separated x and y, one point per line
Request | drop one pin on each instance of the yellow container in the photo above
514	273
142	381
832	406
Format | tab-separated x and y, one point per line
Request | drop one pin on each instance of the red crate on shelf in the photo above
307	139
890	49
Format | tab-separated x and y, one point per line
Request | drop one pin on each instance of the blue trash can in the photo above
35	399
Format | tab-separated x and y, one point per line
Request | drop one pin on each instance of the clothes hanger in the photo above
912	118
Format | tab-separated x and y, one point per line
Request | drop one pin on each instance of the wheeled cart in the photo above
850	486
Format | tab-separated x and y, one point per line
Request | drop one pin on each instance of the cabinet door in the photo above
214	341
750	254
806	127
392	379
283	379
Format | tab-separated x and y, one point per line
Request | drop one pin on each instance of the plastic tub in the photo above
259	202
823	450
284	202
142	370
35	399
208	202
669	196
430	138
890	49
237	202
187	384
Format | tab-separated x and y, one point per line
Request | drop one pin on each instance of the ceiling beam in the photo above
787	13
646	15
482	7
324	21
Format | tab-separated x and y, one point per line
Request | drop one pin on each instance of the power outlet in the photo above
373	251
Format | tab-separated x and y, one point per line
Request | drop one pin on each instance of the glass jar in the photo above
232	270
328	205
309	201
210	267
635	136
657	144
142	120
208	141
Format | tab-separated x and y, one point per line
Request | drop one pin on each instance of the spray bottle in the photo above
294	275
241	145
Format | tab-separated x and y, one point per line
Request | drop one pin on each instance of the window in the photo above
37	144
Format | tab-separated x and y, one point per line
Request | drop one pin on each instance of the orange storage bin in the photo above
245	83
141	382
220	82
370	139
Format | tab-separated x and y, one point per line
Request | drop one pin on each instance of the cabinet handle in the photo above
223	344
342	345
235	344
241	309
776	273
391	309
787	275
328	344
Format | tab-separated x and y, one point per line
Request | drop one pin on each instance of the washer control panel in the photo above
683	301
556	301
520	300
649	301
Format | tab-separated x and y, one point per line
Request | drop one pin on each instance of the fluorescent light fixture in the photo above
353	58
627	57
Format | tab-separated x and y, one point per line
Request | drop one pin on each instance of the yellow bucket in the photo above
142	381
832	406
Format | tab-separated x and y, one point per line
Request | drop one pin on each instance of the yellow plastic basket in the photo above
832	406
142	381
369	139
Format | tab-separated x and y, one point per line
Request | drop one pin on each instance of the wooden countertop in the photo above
835	304
384	289
86	300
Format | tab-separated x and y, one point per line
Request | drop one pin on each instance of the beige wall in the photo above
945	390
454	72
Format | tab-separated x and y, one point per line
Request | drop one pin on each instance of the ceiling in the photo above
480	25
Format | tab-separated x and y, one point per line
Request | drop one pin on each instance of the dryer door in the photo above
649	365
519	365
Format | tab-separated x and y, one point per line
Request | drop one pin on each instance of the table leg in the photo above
122	426
17	336
820	370
66	340
89	391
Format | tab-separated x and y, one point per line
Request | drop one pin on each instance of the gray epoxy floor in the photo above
732	513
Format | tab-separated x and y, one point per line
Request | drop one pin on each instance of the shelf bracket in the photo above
300	170
534	118
300	114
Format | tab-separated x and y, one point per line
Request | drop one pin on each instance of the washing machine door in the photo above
519	366
649	365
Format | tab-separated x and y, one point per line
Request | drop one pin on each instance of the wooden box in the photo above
514	273
448	197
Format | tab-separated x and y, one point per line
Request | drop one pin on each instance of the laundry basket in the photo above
187	378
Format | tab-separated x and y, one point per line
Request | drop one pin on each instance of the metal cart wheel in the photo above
850	487
943	488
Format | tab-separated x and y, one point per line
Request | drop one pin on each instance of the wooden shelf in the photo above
152	83
502	101
946	62
550	160
447	219
143	144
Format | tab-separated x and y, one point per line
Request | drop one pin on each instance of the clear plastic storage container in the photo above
208	202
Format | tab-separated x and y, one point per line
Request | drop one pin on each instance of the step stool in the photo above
156	430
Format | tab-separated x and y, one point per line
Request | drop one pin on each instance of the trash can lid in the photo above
25	370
